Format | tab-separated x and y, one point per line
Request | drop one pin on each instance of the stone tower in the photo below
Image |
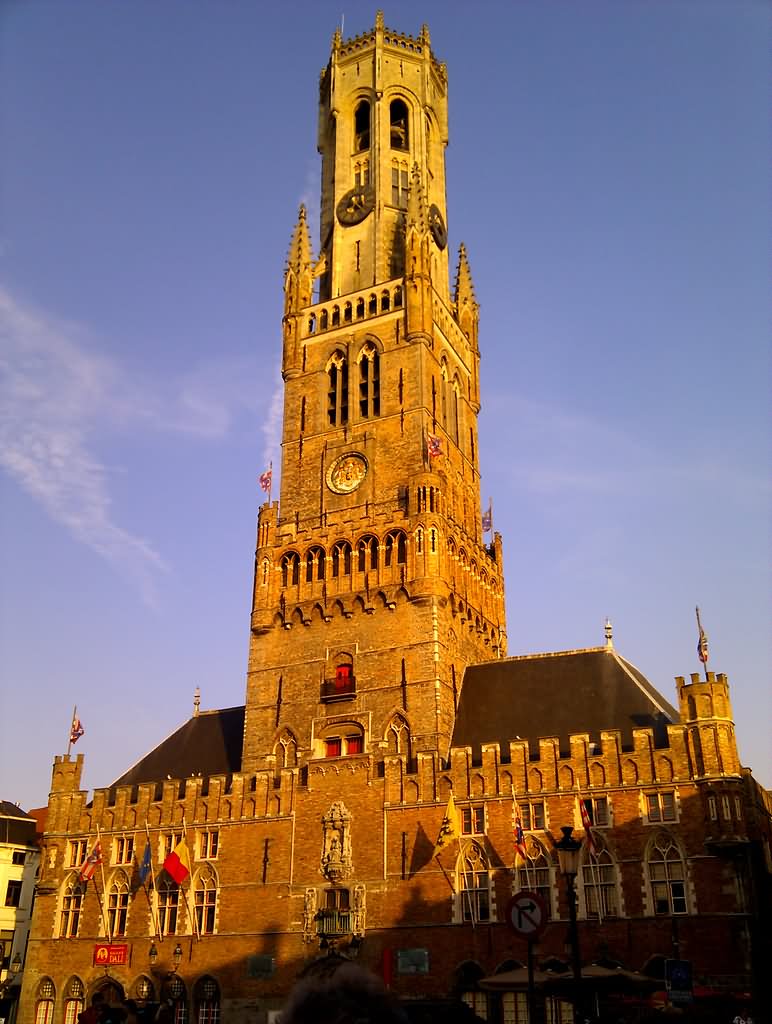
374	587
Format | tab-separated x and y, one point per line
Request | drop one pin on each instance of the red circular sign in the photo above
526	914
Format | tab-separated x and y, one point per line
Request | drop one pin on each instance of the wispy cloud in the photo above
58	394
559	451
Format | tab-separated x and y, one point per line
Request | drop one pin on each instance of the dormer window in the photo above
398	124
362	127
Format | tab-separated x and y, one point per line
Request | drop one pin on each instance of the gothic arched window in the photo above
341	559
398	736
398	125
206	900
118	905
168	899
362	126
667	876
290	569
315	559
444	392
44	1005
337	392
73	1000
537	873
474	885
369	382
599	884
367	553
72	904
396	548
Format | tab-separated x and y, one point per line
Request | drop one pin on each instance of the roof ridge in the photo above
550	654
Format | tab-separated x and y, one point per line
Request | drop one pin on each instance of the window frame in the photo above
473	819
659	799
208	843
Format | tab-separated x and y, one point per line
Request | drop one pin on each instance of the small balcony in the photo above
339	688
333	923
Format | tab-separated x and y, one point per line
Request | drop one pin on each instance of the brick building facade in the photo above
378	680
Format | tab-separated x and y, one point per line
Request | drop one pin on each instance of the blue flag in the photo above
144	867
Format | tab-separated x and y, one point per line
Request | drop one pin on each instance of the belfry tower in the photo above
374	588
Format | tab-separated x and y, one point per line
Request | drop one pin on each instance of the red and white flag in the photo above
76	729
265	479
434	446
587	825
89	865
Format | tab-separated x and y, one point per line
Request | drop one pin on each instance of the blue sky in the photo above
607	172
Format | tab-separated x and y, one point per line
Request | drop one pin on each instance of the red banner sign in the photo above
110	955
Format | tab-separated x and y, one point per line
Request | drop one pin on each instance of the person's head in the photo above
349	996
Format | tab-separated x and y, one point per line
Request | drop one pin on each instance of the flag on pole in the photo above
434	446
587	825
517	827
76	729
89	865
144	865
265	479
702	642
487	520
450	828
177	863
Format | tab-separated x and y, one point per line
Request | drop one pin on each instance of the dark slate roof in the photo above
207	744
541	695
11	810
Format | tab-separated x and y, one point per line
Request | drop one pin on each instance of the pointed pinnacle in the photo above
464	286
416	207
300	246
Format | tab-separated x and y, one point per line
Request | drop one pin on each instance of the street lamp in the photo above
569	850
153	953
177	956
15	965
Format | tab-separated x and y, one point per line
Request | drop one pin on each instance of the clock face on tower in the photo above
347	473
355	205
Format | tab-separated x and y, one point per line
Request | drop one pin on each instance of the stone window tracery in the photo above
667	877
473	900
369	382
118	905
337	391
206	900
72	904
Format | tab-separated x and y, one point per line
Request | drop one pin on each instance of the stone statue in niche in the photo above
309	916
358	921
336	861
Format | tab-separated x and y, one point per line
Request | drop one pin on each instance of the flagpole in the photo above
105	917
156	921
447	876
462	852
270	480
593	862
187	894
69	741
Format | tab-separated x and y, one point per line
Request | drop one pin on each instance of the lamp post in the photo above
569	850
177	957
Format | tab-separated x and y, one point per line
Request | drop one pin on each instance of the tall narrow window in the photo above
207	1000
290	569
362	126
444	392
667	875
337	393
399	128
72	903
206	901
341	559
315	559
600	887
539	877
399	185
474	887
367	554
44	1005
168	905
118	905
73	1001
369	382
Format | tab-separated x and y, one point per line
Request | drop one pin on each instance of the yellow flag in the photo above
450	828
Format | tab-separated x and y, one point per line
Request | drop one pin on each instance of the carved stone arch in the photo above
381	599
402	596
359	604
478	785
297	617
373	341
664	769
338	608
396	732
597	774
285	748
566	777
131	819
411	792
318	611
278	619
535	780
154	815
444	788
629	771
108	820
